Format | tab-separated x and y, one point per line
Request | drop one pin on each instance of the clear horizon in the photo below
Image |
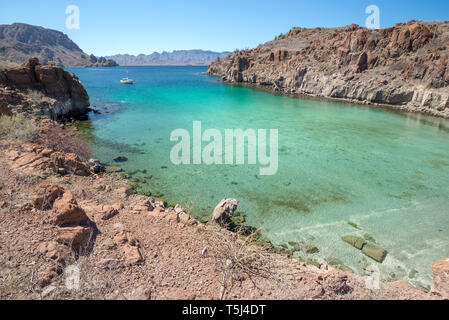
156	26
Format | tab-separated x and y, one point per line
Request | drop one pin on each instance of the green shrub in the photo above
18	128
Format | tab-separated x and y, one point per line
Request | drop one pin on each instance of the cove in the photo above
343	169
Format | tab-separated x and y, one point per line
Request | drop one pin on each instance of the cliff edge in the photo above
61	94
405	66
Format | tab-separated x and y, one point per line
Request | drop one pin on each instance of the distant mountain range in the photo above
178	57
19	42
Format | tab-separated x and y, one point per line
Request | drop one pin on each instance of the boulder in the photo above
68	163
45	195
440	284
75	237
67	211
120	159
132	254
354	241
224	211
108	212
374	252
96	166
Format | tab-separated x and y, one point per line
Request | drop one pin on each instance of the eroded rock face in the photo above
53	81
224	211
405	66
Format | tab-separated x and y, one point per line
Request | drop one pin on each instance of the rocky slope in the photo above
405	67
60	94
19	41
70	230
87	229
175	58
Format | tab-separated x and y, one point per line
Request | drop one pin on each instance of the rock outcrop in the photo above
405	66
19	41
441	278
224	211
67	95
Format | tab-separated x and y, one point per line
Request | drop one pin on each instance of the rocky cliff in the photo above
405	66
60	93
19	41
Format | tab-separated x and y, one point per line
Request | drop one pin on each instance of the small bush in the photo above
64	140
18	128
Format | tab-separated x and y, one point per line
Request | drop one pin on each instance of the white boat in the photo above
127	80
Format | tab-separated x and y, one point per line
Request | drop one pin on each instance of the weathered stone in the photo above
45	196
74	237
66	163
67	211
440	284
108	212
224	211
132	254
374	252
354	241
96	166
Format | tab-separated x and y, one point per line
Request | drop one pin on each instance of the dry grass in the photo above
18	128
236	259
64	140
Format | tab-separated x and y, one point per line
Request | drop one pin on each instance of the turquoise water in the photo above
387	172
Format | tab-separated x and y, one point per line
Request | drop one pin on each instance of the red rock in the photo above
77	237
132	254
108	212
45	196
67	211
441	278
69	163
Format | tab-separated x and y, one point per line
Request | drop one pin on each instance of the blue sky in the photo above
144	26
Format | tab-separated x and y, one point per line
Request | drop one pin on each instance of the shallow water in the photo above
384	171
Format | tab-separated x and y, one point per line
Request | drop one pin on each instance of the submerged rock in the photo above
120	159
374	252
354	241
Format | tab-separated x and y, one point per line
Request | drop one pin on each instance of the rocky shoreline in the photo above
63	219
404	67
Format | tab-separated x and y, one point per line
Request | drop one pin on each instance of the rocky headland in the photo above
42	91
404	67
19	41
72	229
